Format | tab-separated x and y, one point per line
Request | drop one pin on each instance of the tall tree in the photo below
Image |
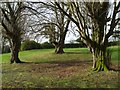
54	25
92	20
12	20
63	24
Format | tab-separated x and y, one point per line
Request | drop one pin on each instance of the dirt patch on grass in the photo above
62	69
66	72
62	74
115	67
59	69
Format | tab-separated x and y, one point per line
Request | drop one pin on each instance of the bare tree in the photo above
54	25
12	20
63	24
92	20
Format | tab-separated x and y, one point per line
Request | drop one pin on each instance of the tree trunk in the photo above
60	49
55	49
61	44
100	59
94	59
15	51
55	44
15	57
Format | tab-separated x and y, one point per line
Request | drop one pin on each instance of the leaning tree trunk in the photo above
15	51
100	59
55	44
56	48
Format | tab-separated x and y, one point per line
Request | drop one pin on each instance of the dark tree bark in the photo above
58	47
61	45
15	51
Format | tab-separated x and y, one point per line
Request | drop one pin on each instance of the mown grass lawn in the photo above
44	69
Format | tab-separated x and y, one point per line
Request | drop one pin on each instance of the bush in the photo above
29	45
47	45
74	45
113	43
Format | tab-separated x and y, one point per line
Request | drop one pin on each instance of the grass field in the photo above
44	69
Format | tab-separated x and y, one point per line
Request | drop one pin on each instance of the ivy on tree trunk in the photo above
99	60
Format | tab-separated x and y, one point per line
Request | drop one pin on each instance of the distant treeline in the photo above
30	45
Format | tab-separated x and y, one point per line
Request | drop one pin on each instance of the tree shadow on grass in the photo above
115	68
77	52
69	63
63	63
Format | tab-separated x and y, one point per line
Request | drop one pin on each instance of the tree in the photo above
63	24
54	26
92	19
13	20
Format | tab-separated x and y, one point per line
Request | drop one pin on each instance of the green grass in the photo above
47	55
115	51
48	70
